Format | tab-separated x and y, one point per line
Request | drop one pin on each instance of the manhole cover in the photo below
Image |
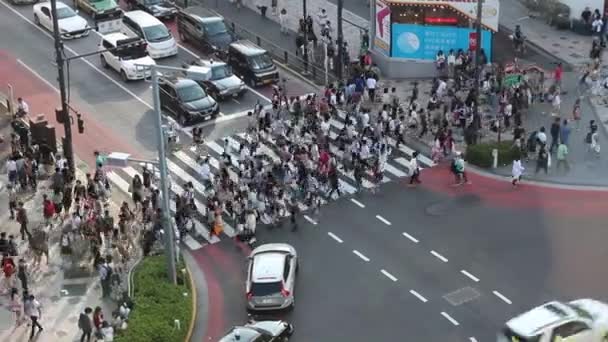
459	297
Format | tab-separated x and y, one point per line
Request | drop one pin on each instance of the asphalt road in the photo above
124	107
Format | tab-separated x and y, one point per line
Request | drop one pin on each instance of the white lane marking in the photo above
439	256
419	296
236	101
449	318
81	59
501	296
414	240
388	275
395	171
38	75
472	339
307	218
122	184
335	237
385	221
349	189
472	277
360	255
361	205
191	243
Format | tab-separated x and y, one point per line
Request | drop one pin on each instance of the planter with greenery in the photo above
158	303
481	154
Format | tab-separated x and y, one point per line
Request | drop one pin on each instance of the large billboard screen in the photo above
382	38
423	42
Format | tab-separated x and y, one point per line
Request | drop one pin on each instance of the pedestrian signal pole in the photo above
340	64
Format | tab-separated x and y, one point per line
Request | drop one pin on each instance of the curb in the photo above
194	306
537	47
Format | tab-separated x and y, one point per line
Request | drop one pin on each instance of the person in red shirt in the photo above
557	74
98	318
48	209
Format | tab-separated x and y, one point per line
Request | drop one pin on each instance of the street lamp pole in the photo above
305	14
68	150
478	65
162	166
340	64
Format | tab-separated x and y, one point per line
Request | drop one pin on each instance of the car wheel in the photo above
36	20
123	76
103	62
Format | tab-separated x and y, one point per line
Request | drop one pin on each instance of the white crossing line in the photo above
335	237
349	189
449	318
403	162
395	171
501	296
419	296
439	256
336	124
388	275
472	277
472	339
185	158
361	205
414	240
118	181
185	176
360	255
385	221
410	152
191	243
307	218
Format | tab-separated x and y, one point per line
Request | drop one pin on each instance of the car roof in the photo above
178	82
48	3
245	335
208	63
247	47
142	18
202	14
113	37
268	266
536	320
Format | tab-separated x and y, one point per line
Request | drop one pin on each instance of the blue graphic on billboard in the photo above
423	42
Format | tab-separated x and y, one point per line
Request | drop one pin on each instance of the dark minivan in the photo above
252	63
205	29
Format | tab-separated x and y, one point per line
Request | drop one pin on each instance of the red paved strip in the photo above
43	100
216	324
501	193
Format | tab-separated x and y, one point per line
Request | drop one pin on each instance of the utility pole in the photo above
340	64
305	14
162	166
68	150
478	66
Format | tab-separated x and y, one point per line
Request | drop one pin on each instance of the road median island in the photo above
158	304
481	154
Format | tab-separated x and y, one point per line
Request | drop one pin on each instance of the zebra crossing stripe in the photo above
395	171
191	243
118	181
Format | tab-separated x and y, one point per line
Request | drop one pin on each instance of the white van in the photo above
141	24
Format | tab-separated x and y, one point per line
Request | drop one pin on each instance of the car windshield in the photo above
266	289
215	27
508	335
156	33
191	93
221	72
261	61
65	12
580	311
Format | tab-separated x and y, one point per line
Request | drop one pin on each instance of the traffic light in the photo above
80	124
60	115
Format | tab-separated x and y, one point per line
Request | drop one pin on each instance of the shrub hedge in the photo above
481	154
158	304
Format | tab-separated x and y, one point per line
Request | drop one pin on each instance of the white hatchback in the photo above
127	56
71	25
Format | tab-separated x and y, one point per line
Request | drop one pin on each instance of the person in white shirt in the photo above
283	21
541	136
441	88
517	171
321	18
11	170
22	108
33	309
451	63
365	119
205	172
414	169
371	88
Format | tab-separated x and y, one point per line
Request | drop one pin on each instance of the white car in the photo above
271	277
126	55
582	320
71	25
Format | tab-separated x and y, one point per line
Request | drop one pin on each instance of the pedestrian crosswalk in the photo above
183	167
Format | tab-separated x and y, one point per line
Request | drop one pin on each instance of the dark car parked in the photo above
252	63
205	29
186	101
161	9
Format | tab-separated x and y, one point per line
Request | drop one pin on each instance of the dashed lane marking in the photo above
413	239
439	256
501	296
335	237
385	221
388	275
307	218
360	255
470	276
419	296
449	318
361	205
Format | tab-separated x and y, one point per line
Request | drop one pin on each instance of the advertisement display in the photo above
489	14
382	39
423	42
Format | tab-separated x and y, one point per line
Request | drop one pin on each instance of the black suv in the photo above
205	29
161	9
186	101
252	63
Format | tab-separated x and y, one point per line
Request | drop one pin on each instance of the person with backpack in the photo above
105	274
85	324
